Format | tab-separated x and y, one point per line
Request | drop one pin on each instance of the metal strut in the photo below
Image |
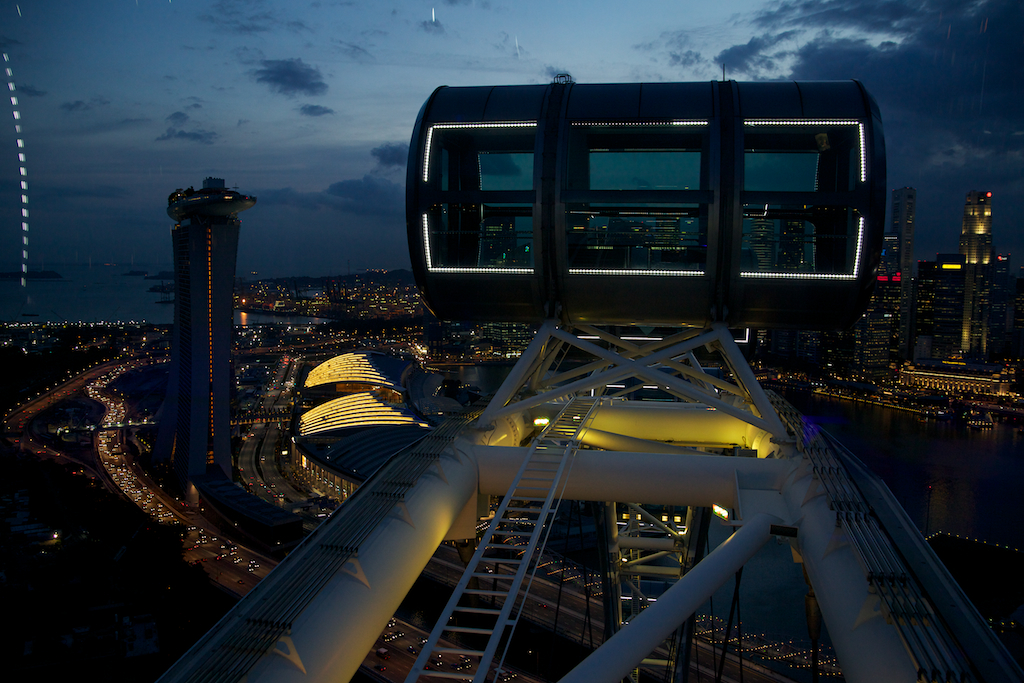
523	515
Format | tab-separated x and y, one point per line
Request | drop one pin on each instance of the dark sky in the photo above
309	105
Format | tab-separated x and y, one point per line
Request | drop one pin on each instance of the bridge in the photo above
264	415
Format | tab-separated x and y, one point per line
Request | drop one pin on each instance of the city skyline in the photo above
311	108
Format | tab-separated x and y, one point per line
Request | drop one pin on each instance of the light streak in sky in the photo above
22	168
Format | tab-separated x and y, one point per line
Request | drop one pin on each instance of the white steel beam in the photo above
655	478
619	655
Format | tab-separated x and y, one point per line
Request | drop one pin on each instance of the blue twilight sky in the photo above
309	105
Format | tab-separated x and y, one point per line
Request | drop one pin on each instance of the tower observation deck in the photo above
690	209
194	431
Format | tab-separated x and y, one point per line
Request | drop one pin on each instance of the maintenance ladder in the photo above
481	606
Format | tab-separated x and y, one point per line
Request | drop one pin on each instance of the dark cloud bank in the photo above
949	81
291	77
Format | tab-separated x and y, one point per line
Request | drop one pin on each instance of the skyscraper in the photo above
904	201
976	232
941	309
976	248
194	425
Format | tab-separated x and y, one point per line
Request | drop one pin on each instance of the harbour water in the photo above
87	293
948	477
104	293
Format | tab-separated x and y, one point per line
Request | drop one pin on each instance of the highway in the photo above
111	464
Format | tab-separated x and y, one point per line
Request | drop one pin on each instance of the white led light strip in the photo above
822	122
818	276
446	126
22	170
442	269
639	123
653	273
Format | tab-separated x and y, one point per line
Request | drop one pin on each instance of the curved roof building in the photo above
354	411
362	367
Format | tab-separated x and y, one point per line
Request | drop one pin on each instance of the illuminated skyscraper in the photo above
976	233
194	425
976	248
904	203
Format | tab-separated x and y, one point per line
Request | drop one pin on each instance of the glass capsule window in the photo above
480	235
801	183
480	178
634	200
634	238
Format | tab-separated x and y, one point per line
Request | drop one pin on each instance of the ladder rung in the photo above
459	651
468	629
492	575
445	674
477	610
480	591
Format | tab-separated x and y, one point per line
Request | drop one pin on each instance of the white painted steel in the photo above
656	478
615	659
868	648
334	633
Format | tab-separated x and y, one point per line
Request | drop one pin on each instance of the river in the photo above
948	477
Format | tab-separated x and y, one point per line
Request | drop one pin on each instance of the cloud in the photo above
25	90
687	58
315	110
203	137
552	71
435	27
291	77
875	16
370	195
367	196
391	154
510	45
757	55
77	105
177	119
81	105
249	18
354	52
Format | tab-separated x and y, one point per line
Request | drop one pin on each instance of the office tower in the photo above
194	424
792	253
941	311
1017	350
976	248
976	233
885	307
1000	318
762	242
904	201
